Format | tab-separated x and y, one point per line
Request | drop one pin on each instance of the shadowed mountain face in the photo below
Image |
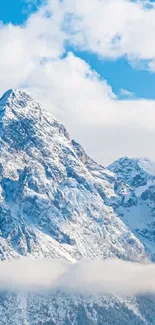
57	202
135	188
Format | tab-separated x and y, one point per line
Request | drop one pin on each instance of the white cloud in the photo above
32	57
126	93
87	277
106	127
24	47
112	28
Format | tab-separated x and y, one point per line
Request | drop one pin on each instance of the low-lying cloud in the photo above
87	277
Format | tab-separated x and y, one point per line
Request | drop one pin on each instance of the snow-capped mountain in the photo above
57	202
49	200
135	187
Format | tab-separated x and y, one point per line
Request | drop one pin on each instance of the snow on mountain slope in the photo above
56	201
49	203
132	171
135	188
128	185
65	309
103	178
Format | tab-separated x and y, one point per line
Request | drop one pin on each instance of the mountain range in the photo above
57	202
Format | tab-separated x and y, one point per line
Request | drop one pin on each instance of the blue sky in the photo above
119	73
16	11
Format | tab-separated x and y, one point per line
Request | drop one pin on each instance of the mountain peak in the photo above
12	96
126	165
15	93
7	94
130	171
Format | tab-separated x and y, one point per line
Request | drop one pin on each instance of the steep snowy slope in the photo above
55	201
104	179
135	188
48	199
66	309
128	185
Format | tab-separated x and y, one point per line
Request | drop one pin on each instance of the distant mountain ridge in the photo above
136	189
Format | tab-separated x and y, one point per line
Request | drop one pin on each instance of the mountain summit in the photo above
57	202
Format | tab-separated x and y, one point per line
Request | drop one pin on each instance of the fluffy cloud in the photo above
33	57
112	28
107	128
87	277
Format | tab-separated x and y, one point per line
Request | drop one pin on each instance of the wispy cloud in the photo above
86	277
126	93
